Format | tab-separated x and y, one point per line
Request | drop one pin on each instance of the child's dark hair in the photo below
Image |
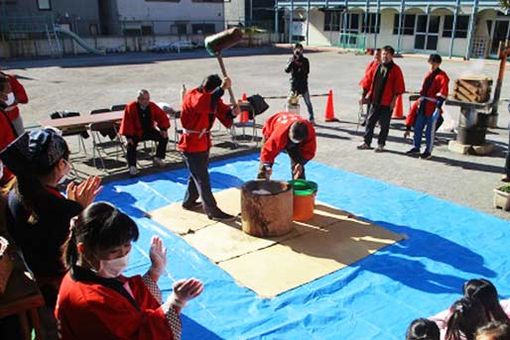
422	329
467	315
3	82
100	226
495	330
435	58
484	291
211	82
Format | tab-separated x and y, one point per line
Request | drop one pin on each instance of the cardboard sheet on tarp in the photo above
181	221
329	241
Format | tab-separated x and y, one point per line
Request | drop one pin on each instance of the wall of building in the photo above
319	37
235	11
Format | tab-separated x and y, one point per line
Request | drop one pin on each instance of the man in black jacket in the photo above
299	67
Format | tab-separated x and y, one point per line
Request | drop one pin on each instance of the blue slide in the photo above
78	40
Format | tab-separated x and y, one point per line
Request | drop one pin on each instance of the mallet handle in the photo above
224	72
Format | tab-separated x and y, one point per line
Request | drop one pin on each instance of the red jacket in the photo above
88	310
373	63
7	135
196	123
19	93
131	125
276	135
394	85
438	88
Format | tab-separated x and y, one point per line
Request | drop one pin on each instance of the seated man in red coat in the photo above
144	120
15	95
200	108
7	135
426	111
292	133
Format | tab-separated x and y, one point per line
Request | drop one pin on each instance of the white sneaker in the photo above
133	171
379	148
159	162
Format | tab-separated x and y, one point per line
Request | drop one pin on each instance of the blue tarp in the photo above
374	298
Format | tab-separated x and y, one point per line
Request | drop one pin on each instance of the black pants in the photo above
381	114
199	184
154	135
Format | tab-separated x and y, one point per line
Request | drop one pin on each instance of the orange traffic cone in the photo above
330	109
244	116
398	110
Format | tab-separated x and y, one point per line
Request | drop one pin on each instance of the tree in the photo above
505	4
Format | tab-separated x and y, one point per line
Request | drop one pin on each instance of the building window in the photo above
147	30
461	27
370	26
408	23
353	23
203	28
332	21
93	29
179	29
44	5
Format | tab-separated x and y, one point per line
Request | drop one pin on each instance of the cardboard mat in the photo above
331	240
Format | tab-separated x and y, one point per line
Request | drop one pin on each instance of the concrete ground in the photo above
91	82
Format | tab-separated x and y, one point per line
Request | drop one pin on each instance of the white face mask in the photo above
112	268
10	99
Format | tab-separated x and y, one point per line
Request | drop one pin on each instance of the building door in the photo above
105	17
427	33
499	33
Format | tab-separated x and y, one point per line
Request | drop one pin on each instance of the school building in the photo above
466	28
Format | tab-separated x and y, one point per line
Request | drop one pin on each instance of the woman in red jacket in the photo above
96	301
144	120
426	110
7	135
15	95
200	108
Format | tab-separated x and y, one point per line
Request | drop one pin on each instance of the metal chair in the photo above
251	124
100	147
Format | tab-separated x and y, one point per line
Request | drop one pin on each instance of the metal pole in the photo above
344	24
291	19
276	28
308	24
378	10
454	28
471	29
367	8
251	12
399	30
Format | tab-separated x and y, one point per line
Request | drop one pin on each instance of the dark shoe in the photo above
505	179
426	155
192	206
413	151
222	217
363	146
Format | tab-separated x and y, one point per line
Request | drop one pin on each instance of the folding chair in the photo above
118	107
100	147
251	124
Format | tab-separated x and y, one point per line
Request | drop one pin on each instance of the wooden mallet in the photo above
218	42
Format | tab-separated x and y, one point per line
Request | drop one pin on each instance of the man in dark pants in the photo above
144	120
200	108
299	68
506	177
382	85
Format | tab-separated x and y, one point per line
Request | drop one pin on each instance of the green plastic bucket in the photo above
303	187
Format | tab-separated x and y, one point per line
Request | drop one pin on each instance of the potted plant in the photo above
502	197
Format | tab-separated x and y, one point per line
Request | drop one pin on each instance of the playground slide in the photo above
78	40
